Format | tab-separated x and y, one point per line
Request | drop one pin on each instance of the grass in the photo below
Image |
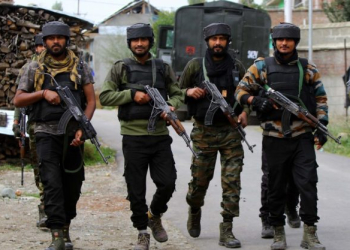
92	157
339	126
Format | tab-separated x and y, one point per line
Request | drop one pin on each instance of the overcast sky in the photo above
97	10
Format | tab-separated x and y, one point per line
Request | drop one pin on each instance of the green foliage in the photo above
115	48
57	6
164	18
339	127
190	2
337	11
92	157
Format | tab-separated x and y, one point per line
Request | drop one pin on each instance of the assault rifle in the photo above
22	126
299	112
74	110
159	106
217	101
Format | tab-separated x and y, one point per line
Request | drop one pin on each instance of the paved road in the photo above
334	188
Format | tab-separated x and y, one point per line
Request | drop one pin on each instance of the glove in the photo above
320	138
16	130
262	104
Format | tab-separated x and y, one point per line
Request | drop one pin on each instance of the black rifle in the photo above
22	126
74	110
159	106
299	112
217	101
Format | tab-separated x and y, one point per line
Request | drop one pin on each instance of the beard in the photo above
56	53
218	54
140	54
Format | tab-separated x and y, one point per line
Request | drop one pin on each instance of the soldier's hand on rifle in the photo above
262	104
77	141
51	97
16	129
141	97
195	93
243	119
164	115
320	138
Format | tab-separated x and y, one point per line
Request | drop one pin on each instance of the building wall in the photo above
331	57
300	17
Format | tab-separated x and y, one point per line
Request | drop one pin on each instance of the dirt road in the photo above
103	221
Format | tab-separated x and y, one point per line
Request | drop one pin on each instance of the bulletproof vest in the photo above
226	84
45	111
138	76
285	79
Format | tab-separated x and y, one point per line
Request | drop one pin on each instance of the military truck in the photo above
179	44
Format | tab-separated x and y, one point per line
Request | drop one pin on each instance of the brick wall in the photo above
300	17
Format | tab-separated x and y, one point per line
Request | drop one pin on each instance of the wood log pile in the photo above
18	26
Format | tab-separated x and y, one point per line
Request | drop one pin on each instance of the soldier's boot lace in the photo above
293	218
194	222
267	231
67	241
227	238
279	240
142	241
155	224
41	223
57	240
310	239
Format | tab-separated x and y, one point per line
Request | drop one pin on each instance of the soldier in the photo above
124	87
39	47
224	71
60	156
288	143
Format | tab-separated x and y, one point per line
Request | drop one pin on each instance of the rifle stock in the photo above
160	106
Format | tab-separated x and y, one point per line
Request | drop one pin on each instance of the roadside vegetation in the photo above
339	126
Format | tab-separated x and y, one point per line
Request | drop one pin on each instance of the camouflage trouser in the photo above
209	141
34	160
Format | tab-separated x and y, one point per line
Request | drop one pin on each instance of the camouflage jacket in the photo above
257	74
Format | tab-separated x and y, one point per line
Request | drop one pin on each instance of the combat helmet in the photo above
140	30
56	28
286	30
216	29
38	39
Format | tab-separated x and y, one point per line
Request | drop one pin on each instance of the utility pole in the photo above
310	31
78	8
288	11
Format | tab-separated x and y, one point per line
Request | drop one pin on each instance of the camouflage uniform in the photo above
207	142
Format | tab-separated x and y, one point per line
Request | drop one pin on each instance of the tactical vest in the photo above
227	88
285	79
138	76
43	110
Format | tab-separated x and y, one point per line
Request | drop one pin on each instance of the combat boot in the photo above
57	240
293	218
67	241
310	239
194	223
279	240
267	231
227	238
41	223
158	231
142	242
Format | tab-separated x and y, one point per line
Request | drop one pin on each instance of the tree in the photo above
57	6
337	11
190	2
164	18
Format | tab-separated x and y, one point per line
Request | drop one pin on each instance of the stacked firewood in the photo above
18	26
